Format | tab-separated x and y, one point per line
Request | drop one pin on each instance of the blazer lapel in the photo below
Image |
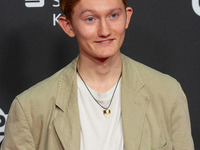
67	124
134	105
67	127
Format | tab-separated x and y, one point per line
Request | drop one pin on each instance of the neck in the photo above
100	74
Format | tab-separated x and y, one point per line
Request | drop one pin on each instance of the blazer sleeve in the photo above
18	135
181	128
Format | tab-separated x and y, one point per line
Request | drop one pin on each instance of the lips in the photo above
104	41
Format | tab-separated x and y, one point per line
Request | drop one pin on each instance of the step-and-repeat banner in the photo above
164	35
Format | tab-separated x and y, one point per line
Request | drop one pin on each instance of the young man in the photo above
103	99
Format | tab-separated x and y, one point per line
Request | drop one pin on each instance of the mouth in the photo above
105	41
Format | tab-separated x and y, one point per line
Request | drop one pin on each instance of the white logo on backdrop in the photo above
55	17
56	5
3	118
41	3
196	6
34	3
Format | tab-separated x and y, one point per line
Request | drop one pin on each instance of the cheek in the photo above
85	32
119	28
120	31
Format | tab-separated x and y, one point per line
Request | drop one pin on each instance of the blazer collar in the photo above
67	124
134	104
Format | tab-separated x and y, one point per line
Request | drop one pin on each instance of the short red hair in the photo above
67	7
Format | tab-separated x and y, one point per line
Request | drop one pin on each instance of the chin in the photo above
105	56
108	53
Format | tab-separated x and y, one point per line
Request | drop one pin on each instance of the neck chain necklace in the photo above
106	110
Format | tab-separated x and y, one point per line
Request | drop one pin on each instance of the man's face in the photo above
99	26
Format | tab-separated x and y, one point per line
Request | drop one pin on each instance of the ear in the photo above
66	26
129	12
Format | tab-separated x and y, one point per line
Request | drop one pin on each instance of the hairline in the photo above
69	17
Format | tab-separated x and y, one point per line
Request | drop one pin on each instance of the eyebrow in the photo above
93	11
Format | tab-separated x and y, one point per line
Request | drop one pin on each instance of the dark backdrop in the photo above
164	35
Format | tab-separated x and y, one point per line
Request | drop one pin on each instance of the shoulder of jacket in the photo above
49	86
151	77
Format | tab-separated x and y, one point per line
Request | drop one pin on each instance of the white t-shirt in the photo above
97	131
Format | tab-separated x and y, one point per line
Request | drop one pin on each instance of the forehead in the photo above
98	5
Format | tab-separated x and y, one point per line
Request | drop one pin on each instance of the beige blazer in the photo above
154	112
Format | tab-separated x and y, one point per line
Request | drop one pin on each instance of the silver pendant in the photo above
106	113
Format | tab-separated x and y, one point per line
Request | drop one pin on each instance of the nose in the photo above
104	28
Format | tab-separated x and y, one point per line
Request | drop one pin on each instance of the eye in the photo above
90	19
114	15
